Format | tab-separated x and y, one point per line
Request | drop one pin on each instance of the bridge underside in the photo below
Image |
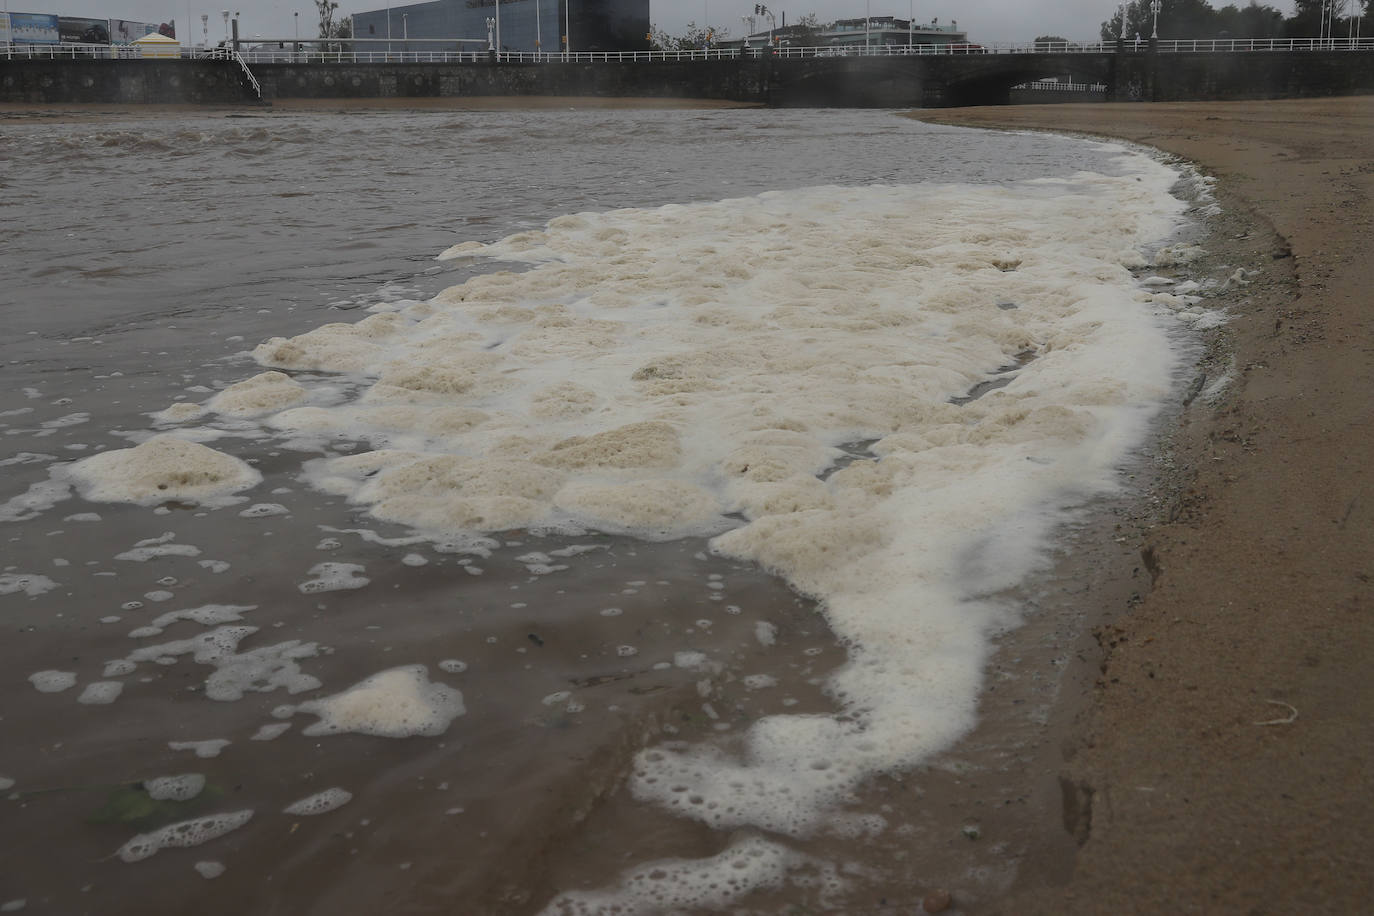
925	81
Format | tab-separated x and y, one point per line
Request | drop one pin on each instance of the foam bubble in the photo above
183	834
270	731
396	703
209	870
320	802
161	469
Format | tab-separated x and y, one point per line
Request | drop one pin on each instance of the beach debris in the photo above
937	901
1285	720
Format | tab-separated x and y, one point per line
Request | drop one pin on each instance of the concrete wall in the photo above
895	82
40	81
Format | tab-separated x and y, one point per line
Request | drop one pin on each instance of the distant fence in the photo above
398	51
1054	86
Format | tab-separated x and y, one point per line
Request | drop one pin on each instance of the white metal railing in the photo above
404	55
1055	86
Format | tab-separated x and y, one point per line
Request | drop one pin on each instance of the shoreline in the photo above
1221	763
61	111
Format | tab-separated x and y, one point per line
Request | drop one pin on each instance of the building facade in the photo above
519	25
856	33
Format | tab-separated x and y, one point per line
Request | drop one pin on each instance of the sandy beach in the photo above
1222	761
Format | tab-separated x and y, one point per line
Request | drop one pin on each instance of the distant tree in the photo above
1254	21
806	32
326	9
1194	19
1051	43
694	39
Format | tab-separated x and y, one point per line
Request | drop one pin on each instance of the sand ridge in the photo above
1223	764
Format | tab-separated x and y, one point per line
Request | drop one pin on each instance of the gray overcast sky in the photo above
984	20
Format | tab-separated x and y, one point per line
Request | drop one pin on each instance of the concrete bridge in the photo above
885	78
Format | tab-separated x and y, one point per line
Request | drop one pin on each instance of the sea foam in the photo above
982	354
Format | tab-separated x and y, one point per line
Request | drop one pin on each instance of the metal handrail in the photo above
252	80
258	56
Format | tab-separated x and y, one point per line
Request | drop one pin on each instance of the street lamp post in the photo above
388	28
868	11
1121	34
491	31
498	25
204	29
538	31
225	14
1155	6
405	34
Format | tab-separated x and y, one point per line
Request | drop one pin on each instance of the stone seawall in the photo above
850	82
40	82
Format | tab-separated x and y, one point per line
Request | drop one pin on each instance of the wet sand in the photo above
1222	762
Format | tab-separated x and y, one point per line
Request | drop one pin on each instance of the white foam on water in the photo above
271	731
26	458
30	584
183	834
696	368
207	615
145	552
686	885
100	693
161	469
6	783
214	566
209	870
182	787
39	498
396	703
52	681
320	802
264	510
333	577
210	747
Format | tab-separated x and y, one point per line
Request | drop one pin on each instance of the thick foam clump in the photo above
397	703
163	468
263	393
183	834
320	802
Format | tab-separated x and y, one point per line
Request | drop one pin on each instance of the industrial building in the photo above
517	25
